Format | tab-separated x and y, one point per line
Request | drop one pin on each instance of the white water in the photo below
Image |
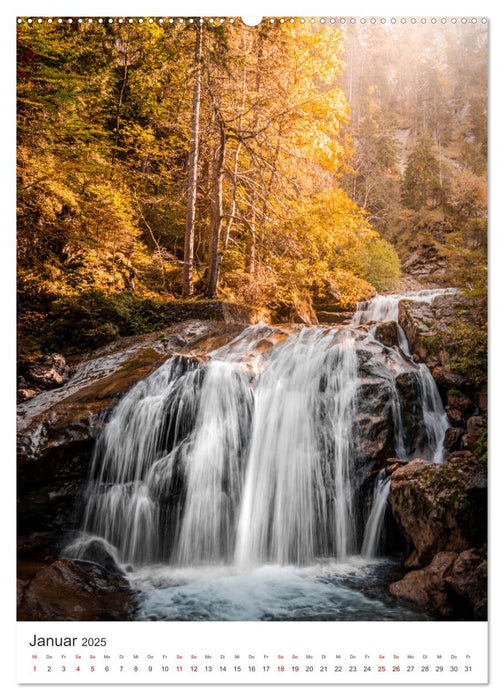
375	521
385	307
298	498
434	416
434	419
325	590
210	480
213	481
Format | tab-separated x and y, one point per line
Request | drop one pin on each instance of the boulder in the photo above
96	550
440	507
427	588
453	439
455	417
43	373
433	333
447	380
457	399
327	317
476	426
76	591
386	333
452	585
468	580
25	394
48	371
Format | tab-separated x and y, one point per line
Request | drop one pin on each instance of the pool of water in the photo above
356	589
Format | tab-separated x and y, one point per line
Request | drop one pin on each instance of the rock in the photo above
386	333
425	261
453	440
176	312
76	591
455	417
45	372
334	317
412	561
300	311
440	507
48	371
468	579
427	588
25	394
482	400
393	463
57	429
376	397
416	318
456	399
96	550
453	585
409	391
433	335
447	380
476	425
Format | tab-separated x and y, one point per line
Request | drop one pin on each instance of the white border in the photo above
279	8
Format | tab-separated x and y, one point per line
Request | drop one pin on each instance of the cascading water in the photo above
374	523
385	307
435	421
247	468
298	499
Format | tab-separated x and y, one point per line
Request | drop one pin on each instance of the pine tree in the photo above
421	185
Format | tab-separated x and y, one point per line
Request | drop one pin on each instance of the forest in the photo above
288	167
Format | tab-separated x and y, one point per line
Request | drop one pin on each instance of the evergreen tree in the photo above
421	185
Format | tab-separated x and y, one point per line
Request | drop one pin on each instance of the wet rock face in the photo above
417	318
427	329
379	370
334	317
386	333
75	591
57	429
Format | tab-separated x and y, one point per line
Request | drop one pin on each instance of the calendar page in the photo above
252	349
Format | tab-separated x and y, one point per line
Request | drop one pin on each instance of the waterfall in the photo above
374	524
298	498
212	467
385	307
252	454
434	419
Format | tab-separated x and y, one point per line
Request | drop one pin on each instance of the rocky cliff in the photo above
442	509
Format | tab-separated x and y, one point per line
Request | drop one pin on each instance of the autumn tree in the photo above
193	165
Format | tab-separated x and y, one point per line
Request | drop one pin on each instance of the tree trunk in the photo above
250	244
193	168
227	230
214	254
118	110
